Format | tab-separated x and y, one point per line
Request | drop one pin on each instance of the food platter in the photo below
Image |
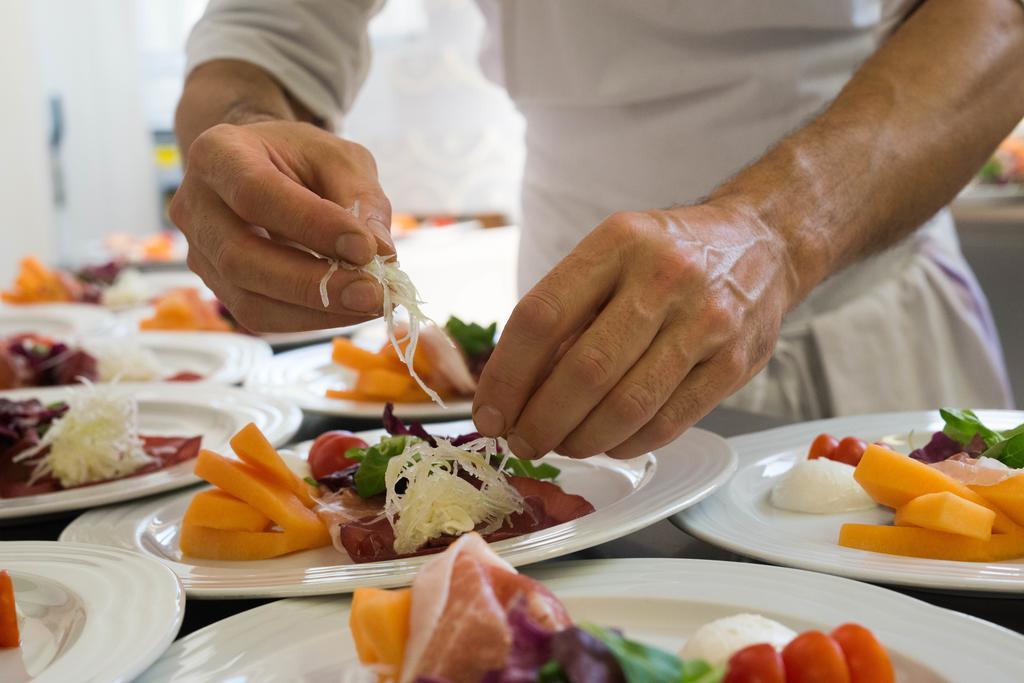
56	320
657	601
304	375
172	409
740	518
627	494
84	618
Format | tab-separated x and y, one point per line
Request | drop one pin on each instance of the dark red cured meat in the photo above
546	505
167	451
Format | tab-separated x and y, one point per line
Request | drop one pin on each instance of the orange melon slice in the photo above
253	448
947	512
216	509
936	545
379	622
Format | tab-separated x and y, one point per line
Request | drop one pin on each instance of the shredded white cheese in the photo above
129	289
97	439
437	501
398	291
119	360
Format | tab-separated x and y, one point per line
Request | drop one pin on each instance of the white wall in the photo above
26	216
88	57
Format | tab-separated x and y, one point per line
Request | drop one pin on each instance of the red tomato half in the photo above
327	454
756	664
813	657
823	447
850	450
865	656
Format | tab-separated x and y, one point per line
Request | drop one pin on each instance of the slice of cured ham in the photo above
458	624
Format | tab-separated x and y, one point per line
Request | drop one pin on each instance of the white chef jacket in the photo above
639	104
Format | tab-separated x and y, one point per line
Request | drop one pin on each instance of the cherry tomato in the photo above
813	657
756	664
865	656
327	455
850	450
823	447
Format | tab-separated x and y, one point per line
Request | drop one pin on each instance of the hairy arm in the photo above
905	134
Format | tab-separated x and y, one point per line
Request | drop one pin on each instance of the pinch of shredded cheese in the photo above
129	289
97	439
398	291
437	501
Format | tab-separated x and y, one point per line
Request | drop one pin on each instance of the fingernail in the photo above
355	248
381	231
520	448
489	421
361	296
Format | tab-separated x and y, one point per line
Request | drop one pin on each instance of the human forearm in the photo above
235	92
911	127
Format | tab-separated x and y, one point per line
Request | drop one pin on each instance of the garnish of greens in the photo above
373	461
474	339
964	426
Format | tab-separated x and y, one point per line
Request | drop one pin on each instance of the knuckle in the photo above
721	317
207	147
591	366
634	403
177	211
538	314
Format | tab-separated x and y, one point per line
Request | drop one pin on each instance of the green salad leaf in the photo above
474	339
527	468
373	463
964	425
646	664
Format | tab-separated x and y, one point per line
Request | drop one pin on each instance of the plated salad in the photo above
35	360
109	284
409	494
91	438
470	617
448	359
958	497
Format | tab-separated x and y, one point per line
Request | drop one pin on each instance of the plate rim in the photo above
588	575
11	512
754	447
146	658
561	539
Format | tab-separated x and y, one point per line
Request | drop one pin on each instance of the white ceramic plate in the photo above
740	518
656	601
62	321
170	409
628	495
303	375
91	614
220	357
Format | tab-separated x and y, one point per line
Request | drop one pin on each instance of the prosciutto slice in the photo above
975	471
458	624
371	538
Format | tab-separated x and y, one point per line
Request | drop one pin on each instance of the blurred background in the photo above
89	160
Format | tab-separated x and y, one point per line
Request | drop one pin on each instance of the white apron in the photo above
640	104
649	103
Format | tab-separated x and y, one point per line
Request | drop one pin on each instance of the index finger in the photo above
259	193
549	314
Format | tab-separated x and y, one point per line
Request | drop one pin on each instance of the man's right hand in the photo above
292	183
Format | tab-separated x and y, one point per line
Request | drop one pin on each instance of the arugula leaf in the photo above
311	481
963	425
551	673
645	664
474	339
526	468
373	463
1010	451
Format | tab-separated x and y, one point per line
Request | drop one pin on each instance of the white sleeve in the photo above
317	49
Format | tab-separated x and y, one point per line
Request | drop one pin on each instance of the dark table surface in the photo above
658	540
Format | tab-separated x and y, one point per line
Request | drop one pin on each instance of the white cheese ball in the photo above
820	486
717	641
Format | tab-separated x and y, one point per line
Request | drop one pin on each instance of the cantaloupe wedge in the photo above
9	636
216	509
936	545
345	352
265	494
222	544
379	622
253	448
383	384
894	479
1007	495
947	512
